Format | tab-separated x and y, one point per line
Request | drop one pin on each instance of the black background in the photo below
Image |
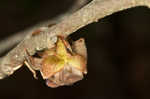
118	53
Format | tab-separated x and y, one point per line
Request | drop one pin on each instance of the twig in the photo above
46	38
17	37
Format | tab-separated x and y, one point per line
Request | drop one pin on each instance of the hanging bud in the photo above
64	66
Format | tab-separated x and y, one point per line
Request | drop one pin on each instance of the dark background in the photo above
118	53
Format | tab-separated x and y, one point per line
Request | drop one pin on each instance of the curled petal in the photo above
78	62
51	65
67	76
79	47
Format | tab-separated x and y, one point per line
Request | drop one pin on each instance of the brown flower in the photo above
61	66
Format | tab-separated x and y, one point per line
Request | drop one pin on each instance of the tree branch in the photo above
92	12
17	37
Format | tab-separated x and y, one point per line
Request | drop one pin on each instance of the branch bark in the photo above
9	42
92	12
